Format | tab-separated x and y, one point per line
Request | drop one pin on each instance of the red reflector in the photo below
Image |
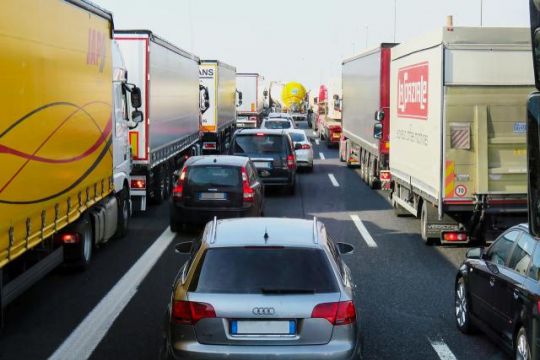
337	313
138	184
455	236
260	134
70	238
179	188
209	146
189	312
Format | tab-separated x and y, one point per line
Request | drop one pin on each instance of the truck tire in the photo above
424	226
123	213
79	255
158	187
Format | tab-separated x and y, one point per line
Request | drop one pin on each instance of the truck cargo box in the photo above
251	86
458	114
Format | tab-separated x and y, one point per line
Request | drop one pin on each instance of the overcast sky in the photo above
300	40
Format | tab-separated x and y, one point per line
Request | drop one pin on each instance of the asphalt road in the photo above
405	288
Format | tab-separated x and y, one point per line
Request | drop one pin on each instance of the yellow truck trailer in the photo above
64	179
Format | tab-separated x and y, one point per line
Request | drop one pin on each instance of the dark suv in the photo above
272	153
498	291
222	186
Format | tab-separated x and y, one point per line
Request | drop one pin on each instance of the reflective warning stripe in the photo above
449	183
134	142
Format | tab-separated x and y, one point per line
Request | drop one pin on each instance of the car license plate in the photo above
262	165
212	196
263	327
336	135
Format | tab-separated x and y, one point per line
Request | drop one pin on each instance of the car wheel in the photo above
463	318
522	349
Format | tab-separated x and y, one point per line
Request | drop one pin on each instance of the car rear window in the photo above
259	144
226	176
297	137
277	124
264	269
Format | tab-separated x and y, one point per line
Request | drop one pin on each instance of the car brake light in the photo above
337	313
455	236
138	184
248	193
306	147
253	118
70	238
189	312
290	162
179	188
260	134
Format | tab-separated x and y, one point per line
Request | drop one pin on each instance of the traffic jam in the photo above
155	204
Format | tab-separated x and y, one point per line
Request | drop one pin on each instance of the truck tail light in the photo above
138	184
290	162
70	238
385	176
179	188
209	146
455	236
190	312
337	313
248	192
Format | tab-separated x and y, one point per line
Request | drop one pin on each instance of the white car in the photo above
278	123
302	149
280	115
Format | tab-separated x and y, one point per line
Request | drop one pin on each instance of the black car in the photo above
272	153
215	185
498	291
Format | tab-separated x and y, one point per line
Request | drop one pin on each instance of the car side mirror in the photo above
345	249
379	115
184	247
137	116
297	146
378	131
475	253
136	100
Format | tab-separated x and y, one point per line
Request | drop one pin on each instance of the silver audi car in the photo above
263	288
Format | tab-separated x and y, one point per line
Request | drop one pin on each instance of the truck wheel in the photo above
123	213
80	254
158	187
424	224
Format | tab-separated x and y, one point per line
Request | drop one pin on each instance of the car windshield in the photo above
298	137
277	124
259	144
225	176
270	270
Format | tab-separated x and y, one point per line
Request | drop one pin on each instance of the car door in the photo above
483	278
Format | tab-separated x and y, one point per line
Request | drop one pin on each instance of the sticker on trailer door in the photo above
207	78
413	91
461	191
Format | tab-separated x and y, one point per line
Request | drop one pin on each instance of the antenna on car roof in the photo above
266	236
315	235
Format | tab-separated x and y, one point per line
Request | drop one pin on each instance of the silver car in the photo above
302	149
263	288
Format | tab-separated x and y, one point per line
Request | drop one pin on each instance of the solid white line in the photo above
363	231
442	350
87	336
333	180
321	155
317	142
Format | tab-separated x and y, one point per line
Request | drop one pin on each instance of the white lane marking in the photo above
321	155
317	142
442	350
333	180
363	231
87	336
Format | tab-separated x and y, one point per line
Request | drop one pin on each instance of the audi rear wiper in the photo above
287	291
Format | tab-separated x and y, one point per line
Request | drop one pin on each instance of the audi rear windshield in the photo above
264	270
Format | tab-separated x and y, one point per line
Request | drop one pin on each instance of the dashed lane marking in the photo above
321	155
86	337
442	350
333	180
363	231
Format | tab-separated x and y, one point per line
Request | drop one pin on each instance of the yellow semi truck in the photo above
64	149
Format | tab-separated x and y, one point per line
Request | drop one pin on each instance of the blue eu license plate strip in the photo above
264	327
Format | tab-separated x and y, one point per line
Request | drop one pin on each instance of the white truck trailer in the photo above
169	80
218	119
458	131
250	88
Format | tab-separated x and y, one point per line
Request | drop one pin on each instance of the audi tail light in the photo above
337	313
190	312
179	188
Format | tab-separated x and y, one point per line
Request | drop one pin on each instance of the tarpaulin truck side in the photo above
458	131
64	153
249	111
366	91
169	80
219	118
